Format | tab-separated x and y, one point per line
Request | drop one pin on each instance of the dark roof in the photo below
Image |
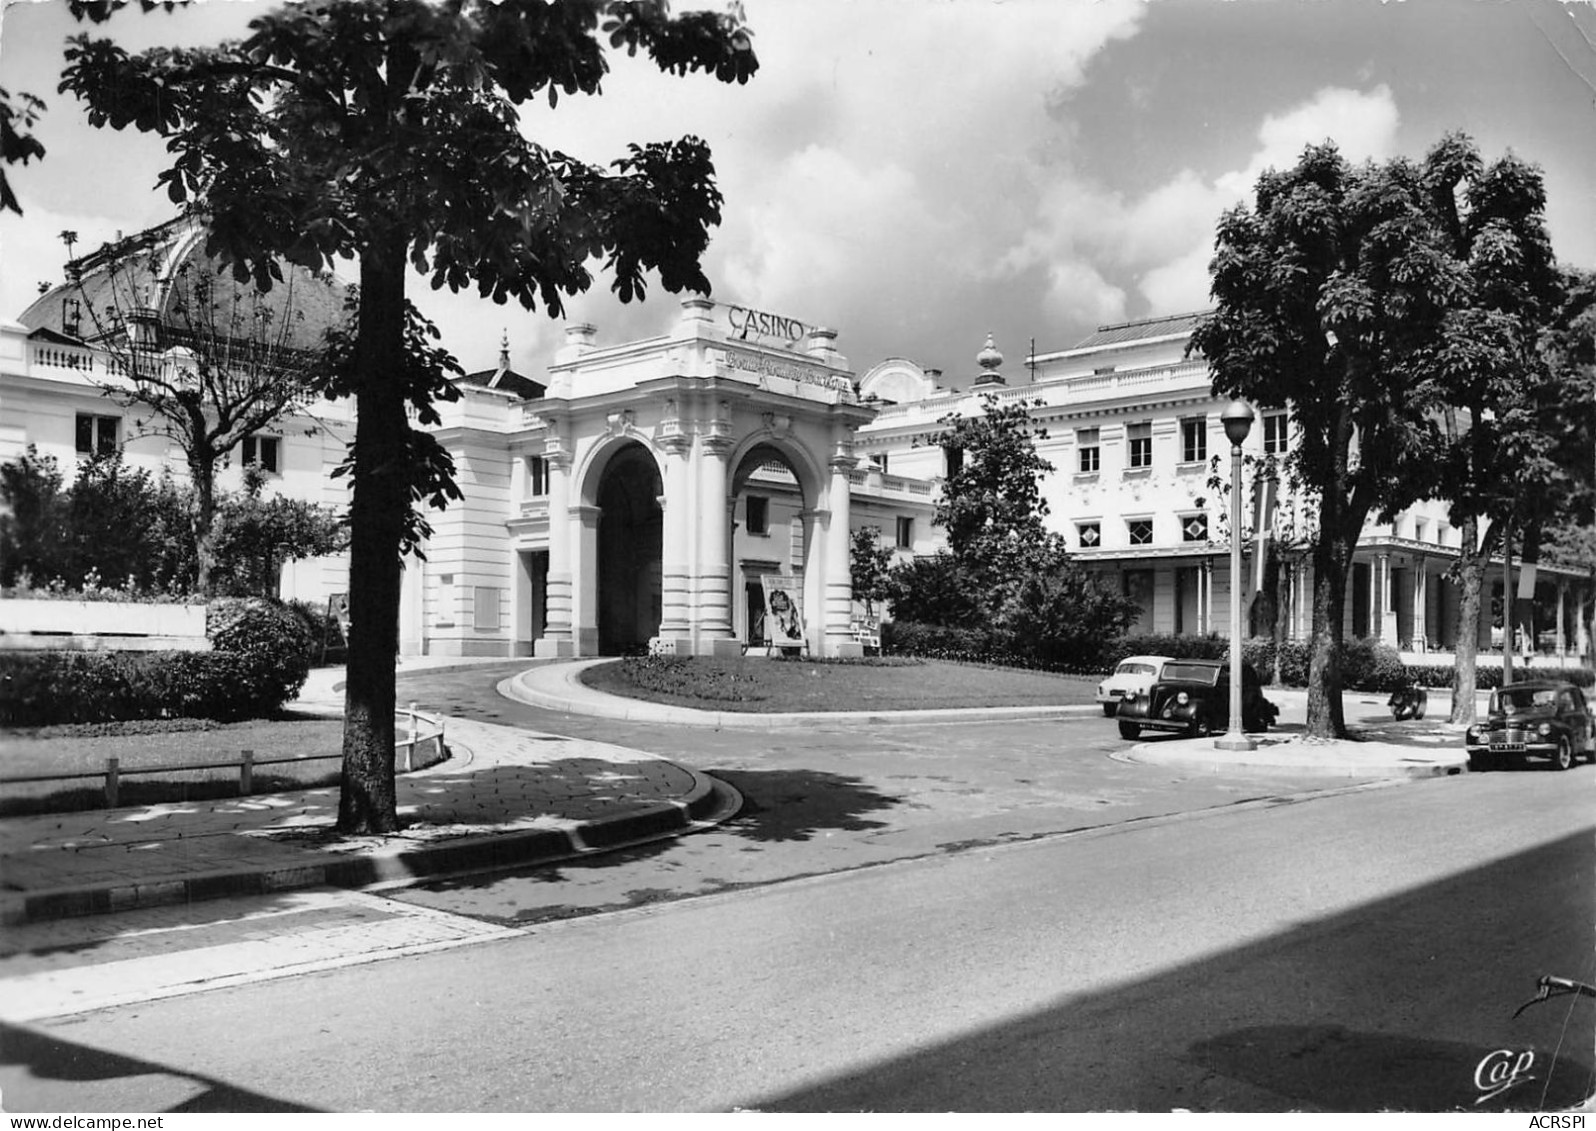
505	380
104	285
1120	333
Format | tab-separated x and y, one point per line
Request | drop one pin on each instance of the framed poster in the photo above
784	611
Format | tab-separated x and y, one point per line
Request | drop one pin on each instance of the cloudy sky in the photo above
920	173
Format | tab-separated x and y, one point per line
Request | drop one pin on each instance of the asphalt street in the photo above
1361	951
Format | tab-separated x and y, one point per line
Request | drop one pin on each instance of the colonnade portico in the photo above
710	409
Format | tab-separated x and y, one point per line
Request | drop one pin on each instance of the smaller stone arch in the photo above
798	459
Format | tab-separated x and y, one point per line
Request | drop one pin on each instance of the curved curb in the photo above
1157	754
582	700
708	803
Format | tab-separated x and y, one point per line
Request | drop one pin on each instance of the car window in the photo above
1130	668
1199	673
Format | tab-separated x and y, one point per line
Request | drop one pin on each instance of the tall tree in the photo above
17	144
1325	289
387	130
1484	370
206	361
991	504
1569	348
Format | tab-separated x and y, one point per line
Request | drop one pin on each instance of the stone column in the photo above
712	581
1388	611
1421	601
557	639
839	641
676	581
584	526
1562	627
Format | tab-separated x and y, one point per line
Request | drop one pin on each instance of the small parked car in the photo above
1130	675
1192	697
1542	718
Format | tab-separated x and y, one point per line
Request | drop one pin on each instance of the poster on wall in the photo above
784	611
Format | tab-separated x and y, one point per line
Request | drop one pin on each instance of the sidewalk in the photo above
507	797
513	797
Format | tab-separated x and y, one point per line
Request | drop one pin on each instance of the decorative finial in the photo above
504	350
989	359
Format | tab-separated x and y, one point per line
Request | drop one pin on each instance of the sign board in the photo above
338	609
784	611
757	326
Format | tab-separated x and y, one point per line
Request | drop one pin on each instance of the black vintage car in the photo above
1535	718
1192	697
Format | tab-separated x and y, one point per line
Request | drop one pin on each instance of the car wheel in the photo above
1478	763
1199	728
1109	709
1564	758
1131	731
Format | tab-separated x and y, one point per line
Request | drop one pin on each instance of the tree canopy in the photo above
1365	298
389	131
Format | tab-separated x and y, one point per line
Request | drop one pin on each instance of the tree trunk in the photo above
1471	579
1330	560
203	474
381	499
1507	604
1281	629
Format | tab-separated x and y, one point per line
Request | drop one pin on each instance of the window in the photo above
1195	528
879	462
952	459
261	452
97	435
1086	441
905	533
72	317
1090	534
1141	444
539	468
1141	531
1193	440
756	514
1275	425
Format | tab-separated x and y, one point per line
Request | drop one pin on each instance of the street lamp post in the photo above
1238	422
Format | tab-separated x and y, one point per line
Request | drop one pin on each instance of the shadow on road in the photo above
1351	1012
50	1058
788	805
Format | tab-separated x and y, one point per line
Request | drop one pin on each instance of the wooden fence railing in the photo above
421	730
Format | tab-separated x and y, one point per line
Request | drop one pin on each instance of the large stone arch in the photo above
630	539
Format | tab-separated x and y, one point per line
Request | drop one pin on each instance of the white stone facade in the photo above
641	498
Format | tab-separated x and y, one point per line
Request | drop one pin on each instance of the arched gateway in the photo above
652	454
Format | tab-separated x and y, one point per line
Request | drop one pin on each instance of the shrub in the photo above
1370	665
271	639
936	642
44	688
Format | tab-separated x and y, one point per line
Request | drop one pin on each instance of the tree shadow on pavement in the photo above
46	1058
789	805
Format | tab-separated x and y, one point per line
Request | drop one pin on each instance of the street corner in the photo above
1296	755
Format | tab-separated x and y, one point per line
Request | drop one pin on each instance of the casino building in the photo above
657	493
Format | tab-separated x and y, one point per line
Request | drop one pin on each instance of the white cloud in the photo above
1160	242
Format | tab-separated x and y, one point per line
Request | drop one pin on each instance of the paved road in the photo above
1349	952
834	797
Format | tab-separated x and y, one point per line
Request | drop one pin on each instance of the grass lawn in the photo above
25	752
761	684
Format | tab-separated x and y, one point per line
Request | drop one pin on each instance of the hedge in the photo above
260	659
1366	665
965	645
